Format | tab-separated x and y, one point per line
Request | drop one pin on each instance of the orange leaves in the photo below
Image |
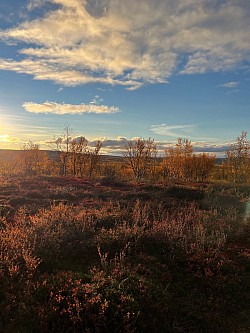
181	163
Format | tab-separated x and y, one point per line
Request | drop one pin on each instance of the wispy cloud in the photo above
60	109
172	130
78	42
232	84
33	4
41	70
96	100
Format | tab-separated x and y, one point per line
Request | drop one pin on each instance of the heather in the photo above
109	255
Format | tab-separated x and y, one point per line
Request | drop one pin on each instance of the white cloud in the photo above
172	130
56	108
231	84
96	100
130	43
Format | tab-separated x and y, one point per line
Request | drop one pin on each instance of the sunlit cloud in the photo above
118	145
41	70
172	130
6	138
60	109
129	43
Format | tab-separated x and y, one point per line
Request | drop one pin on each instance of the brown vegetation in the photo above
168	253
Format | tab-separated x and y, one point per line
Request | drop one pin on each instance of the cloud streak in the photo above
230	85
129	43
172	130
61	109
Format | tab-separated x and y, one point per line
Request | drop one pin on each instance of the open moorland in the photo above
83	256
131	244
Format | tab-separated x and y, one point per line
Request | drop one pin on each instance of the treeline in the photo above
75	158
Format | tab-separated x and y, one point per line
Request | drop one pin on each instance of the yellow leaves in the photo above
181	163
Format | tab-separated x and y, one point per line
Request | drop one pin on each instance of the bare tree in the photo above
238	158
77	158
78	148
93	158
86	158
62	146
140	155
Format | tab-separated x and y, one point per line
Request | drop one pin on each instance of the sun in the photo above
4	137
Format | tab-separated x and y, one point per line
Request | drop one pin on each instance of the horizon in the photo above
118	154
119	71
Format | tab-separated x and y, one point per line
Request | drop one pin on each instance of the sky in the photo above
119	70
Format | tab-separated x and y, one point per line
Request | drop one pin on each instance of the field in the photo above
87	256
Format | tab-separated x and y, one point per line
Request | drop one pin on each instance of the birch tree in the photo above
140	155
238	159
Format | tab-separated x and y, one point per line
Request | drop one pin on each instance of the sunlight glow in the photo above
4	137
7	138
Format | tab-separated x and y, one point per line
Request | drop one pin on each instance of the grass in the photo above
80	256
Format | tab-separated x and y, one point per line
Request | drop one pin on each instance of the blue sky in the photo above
118	70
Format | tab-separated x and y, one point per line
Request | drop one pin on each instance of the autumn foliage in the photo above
181	163
85	249
75	158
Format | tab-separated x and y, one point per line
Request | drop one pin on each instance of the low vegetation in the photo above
165	250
